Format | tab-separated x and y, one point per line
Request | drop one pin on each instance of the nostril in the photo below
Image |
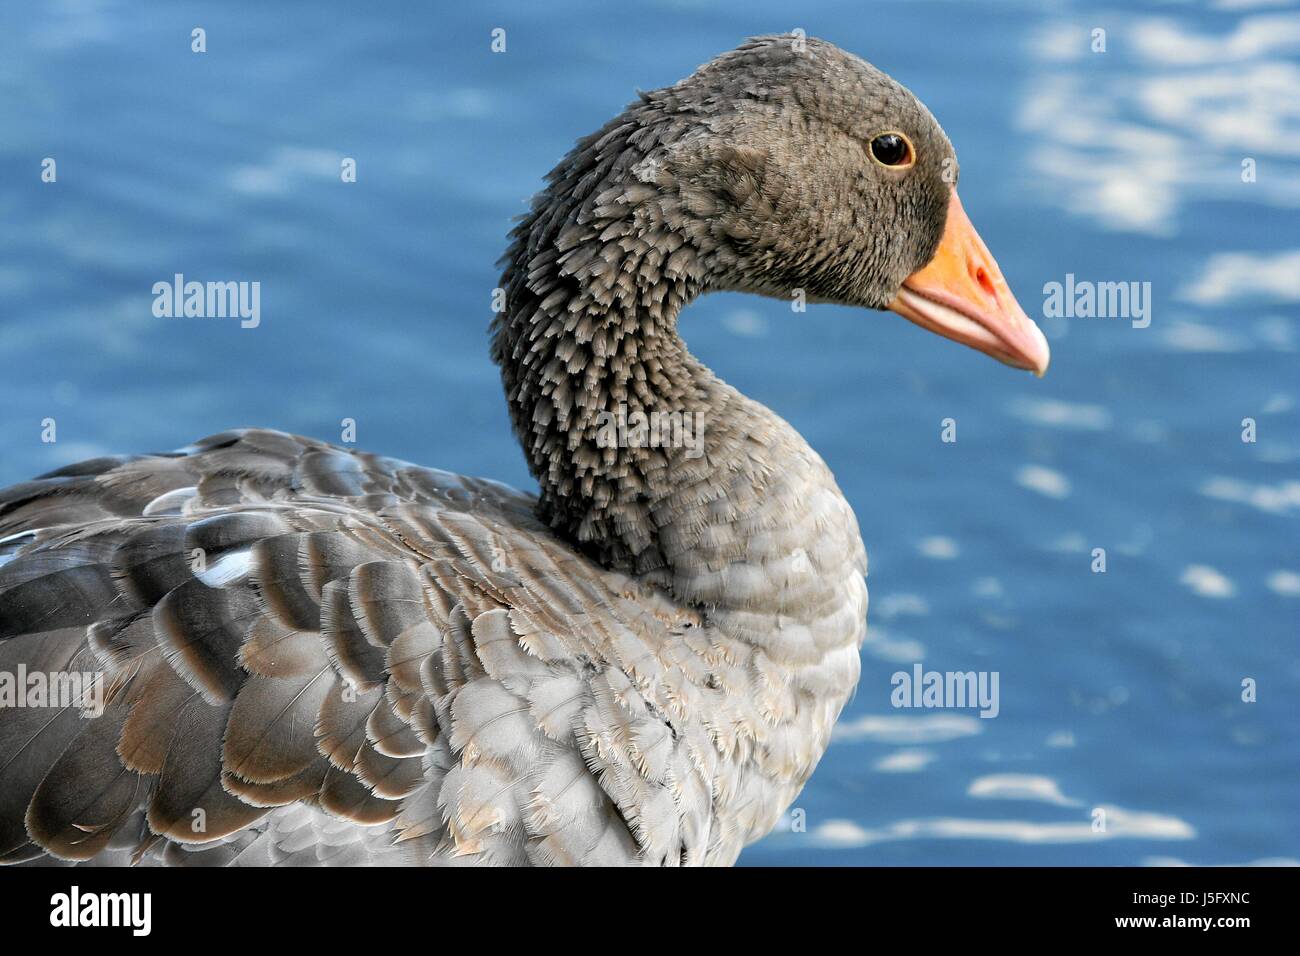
985	281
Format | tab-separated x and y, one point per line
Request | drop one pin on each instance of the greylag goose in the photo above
265	649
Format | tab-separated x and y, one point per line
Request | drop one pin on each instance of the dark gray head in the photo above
786	167
814	169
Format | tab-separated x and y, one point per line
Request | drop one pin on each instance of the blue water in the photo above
1119	691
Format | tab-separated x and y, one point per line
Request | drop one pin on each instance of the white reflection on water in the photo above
1266	861
1232	276
1054	413
1020	786
1206	581
907	729
1120	824
1166	116
887	646
1045	481
904	761
1282	498
1284	583
285	168
939	547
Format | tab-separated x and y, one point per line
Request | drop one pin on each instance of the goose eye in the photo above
891	149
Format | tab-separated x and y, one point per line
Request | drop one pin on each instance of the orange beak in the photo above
962	296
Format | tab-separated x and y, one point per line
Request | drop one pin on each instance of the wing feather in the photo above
303	645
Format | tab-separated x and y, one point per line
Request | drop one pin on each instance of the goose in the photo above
263	649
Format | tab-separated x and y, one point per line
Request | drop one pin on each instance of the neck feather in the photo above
644	458
589	350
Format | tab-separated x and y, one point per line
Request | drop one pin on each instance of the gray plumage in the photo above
313	655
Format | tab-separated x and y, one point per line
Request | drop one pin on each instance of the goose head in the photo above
786	167
801	170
